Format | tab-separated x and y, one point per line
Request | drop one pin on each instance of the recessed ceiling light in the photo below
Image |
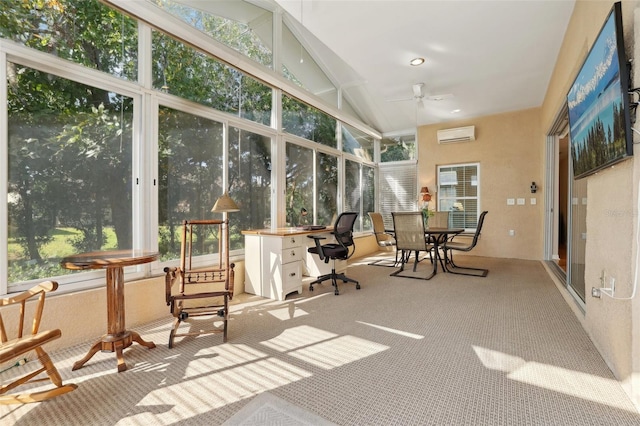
455	111
417	61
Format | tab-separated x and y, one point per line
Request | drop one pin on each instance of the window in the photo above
183	71
359	189
398	148
300	183
326	188
299	67
190	152
357	143
69	28
70	172
88	146
307	122
242	26
312	186
458	193
397	189
249	167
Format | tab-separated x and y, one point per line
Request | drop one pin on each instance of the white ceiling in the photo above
492	56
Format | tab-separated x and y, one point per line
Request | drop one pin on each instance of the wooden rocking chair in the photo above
201	291
16	349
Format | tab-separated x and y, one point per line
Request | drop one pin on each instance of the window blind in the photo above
398	189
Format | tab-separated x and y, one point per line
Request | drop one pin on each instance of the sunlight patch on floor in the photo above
569	382
393	330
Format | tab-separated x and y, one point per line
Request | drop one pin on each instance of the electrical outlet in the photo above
595	292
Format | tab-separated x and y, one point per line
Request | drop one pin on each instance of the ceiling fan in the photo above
419	95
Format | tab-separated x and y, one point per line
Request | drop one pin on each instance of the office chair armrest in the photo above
316	239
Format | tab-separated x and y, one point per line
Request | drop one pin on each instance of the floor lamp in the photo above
224	205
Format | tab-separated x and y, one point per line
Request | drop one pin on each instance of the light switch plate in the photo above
521	201
511	201
533	201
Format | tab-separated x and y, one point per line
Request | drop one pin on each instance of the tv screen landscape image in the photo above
598	101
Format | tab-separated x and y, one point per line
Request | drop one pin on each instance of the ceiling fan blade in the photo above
441	97
417	90
400	100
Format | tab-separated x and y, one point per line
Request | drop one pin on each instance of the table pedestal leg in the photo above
117	338
95	348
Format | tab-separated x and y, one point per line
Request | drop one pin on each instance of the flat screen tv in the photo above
599	118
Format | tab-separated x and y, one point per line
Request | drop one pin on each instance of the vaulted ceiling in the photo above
487	56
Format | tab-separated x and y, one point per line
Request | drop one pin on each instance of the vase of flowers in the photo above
426	214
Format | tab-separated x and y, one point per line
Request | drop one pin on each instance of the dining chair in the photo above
343	249
439	220
25	345
452	244
384	238
410	238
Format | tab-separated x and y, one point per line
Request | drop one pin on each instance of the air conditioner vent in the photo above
459	134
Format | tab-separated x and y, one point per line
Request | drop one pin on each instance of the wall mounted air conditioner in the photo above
459	134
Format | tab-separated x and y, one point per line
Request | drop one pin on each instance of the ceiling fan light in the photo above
416	61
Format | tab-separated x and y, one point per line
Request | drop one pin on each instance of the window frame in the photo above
61	68
146	101
477	197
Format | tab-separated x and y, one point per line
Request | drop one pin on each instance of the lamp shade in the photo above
426	195
225	204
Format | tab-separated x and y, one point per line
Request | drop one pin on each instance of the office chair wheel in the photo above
357	286
310	288
336	292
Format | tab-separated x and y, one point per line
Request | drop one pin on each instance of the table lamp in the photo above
426	195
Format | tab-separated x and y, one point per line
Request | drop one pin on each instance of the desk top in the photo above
108	259
285	232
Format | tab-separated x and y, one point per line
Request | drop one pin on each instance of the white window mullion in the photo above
4	165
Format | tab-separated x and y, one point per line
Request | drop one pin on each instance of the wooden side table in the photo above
118	337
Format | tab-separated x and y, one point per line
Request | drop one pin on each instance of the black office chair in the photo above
451	245
342	249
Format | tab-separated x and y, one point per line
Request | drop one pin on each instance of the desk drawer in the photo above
292	241
292	254
291	279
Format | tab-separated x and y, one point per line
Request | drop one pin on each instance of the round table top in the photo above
108	259
434	230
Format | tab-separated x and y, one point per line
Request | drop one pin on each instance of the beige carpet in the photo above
455	350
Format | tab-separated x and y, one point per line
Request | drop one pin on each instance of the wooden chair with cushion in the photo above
202	290
384	238
452	245
17	349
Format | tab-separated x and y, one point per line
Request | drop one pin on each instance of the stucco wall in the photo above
611	199
510	150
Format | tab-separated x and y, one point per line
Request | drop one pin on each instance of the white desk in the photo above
276	260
